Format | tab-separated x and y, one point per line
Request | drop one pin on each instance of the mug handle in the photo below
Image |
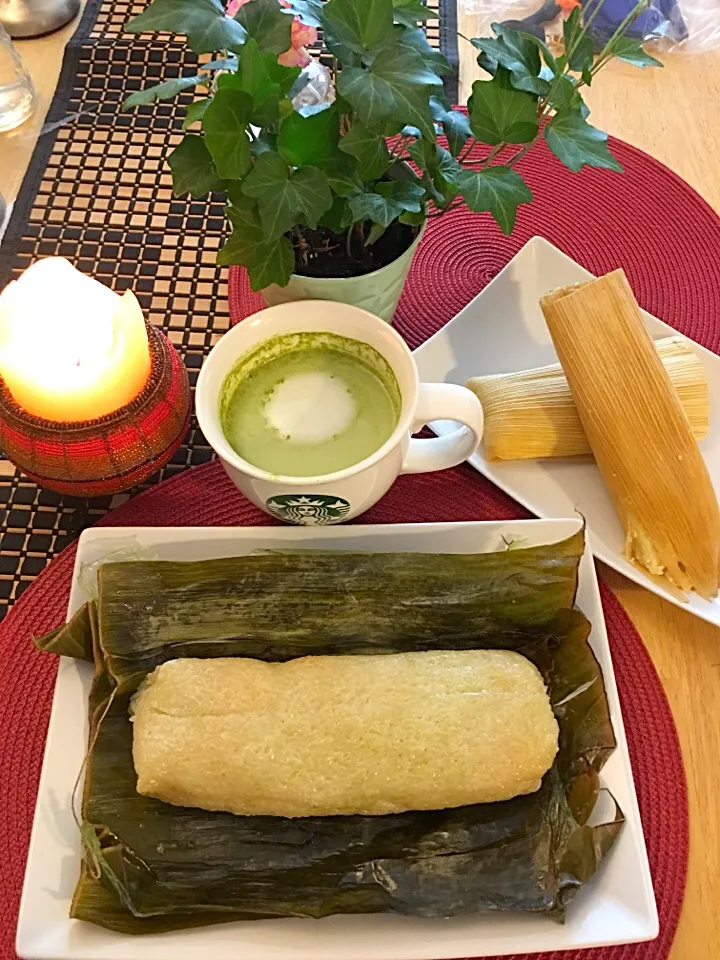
444	401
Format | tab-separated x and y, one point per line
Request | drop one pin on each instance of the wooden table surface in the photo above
672	114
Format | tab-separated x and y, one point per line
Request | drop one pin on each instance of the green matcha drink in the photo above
307	404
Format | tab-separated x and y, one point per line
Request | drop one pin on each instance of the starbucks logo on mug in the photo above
316	510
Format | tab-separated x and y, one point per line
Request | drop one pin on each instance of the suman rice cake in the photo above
343	735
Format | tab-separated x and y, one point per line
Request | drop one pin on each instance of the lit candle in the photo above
70	348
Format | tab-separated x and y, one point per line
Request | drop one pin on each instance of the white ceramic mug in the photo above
343	495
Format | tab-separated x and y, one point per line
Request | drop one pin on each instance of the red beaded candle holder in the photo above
95	458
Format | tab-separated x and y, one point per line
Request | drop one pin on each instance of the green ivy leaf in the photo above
247	232
412	219
517	54
253	76
577	144
338	217
563	95
583	54
224	125
500	114
310	12
202	21
456	125
369	149
271	263
413	41
309	140
193	169
162	91
343	179
547	56
631	51
387	202
266	23
264	141
195	112
283	198
225	63
359	24
409	12
397	86
497	190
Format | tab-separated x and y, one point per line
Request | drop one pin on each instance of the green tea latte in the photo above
306	404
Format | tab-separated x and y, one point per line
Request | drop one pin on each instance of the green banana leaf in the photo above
151	867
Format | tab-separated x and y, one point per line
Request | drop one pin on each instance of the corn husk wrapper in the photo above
531	414
151	867
639	434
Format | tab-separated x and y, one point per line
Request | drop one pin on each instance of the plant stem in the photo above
583	32
466	149
493	154
607	49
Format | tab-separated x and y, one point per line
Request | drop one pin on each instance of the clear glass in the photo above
17	94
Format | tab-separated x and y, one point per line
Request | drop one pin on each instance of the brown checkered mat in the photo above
98	192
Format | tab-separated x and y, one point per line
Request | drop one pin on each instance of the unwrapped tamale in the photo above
639	434
531	414
150	866
321	736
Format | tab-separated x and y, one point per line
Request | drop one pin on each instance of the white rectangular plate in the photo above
617	906
503	330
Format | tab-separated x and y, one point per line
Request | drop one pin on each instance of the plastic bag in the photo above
687	26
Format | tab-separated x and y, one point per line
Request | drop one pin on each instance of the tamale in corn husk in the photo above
150	866
531	414
639	434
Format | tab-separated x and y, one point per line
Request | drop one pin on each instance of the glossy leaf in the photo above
387	202
359	24
310	12
455	123
246	235
343	179
195	112
202	21
193	168
267	24
631	51
369	149
282	197
396	87
271	263
309	140
409	12
517	54
577	144
224	124
578	45
500	114
562	94
162	91
496	190
338	217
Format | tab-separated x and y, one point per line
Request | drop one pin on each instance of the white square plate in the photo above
617	906
503	330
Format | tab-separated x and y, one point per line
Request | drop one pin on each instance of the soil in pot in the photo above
323	253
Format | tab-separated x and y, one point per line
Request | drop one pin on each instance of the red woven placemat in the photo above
646	220
205	496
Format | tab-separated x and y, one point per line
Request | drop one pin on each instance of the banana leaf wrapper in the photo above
151	867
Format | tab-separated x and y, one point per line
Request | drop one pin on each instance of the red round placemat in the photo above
646	220
205	496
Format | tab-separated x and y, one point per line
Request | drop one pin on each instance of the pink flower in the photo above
301	37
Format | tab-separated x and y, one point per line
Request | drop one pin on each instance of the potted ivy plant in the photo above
330	201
